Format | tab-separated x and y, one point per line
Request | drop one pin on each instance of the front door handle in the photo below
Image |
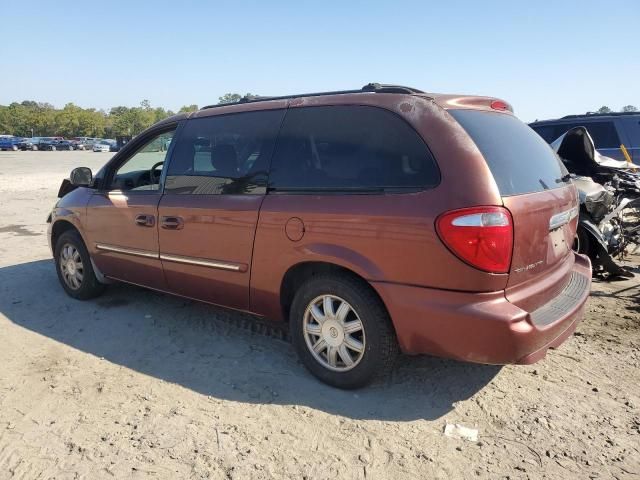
144	220
172	223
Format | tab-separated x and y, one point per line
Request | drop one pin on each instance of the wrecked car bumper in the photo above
484	327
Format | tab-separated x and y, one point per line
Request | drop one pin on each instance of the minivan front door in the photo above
207	217
122	226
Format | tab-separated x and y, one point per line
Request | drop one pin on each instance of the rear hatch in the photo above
536	189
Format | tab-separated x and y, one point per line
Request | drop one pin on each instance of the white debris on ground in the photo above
460	431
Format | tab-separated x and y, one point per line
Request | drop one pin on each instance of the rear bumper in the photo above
484	327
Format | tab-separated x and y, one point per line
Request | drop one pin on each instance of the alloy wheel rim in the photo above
71	266
334	333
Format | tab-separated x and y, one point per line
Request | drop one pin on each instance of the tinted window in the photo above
350	148
520	161
226	154
547	132
604	134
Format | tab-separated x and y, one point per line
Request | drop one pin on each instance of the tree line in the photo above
37	119
626	108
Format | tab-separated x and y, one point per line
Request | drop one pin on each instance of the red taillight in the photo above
480	236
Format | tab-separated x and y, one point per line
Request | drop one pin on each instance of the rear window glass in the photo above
519	159
350	149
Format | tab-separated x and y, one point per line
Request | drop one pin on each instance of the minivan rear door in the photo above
536	189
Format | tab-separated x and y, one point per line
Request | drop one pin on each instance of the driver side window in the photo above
141	172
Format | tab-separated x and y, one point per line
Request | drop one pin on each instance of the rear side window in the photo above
548	132
350	149
519	159
225	154
604	134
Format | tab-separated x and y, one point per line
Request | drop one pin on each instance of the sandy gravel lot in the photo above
141	385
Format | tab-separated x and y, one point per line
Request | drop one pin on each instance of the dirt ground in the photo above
141	385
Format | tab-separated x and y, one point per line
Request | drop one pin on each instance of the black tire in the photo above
583	242
381	346
89	287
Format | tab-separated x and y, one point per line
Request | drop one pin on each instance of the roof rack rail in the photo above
598	114
388	88
368	88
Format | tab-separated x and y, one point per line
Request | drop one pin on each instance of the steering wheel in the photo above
153	177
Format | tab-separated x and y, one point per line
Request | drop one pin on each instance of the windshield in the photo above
519	159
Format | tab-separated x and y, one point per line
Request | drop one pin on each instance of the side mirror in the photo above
81	177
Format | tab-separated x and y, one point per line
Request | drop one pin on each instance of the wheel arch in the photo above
297	274
61	226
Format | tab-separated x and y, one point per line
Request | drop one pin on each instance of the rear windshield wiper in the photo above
565	178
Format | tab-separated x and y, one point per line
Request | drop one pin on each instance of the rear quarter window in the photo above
519	159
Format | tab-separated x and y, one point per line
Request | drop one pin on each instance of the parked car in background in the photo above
64	145
369	220
46	143
54	143
83	143
29	144
10	143
608	131
102	146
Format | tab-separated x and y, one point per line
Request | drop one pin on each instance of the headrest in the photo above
224	160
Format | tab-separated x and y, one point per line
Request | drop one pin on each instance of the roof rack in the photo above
368	88
598	114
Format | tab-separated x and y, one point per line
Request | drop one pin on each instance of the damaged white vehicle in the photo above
609	192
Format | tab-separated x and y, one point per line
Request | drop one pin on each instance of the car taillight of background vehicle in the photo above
480	236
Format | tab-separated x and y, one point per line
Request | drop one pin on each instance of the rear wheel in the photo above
74	267
341	331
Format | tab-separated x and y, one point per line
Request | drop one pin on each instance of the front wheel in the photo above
74	267
342	331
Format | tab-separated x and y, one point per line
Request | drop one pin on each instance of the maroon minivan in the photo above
370	220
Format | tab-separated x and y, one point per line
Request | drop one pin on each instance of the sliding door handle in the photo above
145	220
172	223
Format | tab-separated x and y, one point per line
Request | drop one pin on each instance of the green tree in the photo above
629	108
604	109
29	118
234	97
67	120
188	108
229	98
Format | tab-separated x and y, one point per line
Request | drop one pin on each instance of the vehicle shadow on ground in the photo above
206	349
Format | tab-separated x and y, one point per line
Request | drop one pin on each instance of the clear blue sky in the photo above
546	58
